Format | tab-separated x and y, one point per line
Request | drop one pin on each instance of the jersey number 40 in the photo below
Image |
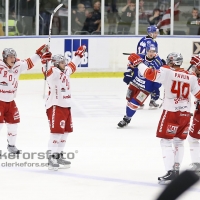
181	89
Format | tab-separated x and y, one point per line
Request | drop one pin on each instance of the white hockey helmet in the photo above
56	59
7	52
174	58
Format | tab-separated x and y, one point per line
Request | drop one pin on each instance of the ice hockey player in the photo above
10	70
194	132
175	119
58	106
152	33
139	87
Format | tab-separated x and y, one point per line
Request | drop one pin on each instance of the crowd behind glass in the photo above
119	17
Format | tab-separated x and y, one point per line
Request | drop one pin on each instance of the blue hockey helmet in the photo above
152	29
151	47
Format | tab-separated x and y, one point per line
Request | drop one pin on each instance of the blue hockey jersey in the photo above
142	44
140	81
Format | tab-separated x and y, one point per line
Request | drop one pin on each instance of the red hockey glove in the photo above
44	48
80	51
46	57
195	60
134	60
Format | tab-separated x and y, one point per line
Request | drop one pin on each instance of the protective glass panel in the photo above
86	17
119	17
153	12
186	18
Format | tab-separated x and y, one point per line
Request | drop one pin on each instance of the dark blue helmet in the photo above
152	29
151	47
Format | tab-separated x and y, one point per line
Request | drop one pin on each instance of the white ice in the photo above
109	163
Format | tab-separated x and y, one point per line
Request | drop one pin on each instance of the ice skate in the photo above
196	168
153	104
167	178
52	162
13	149
64	164
124	122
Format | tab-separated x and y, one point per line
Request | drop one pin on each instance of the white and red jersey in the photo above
177	83
59	84
9	77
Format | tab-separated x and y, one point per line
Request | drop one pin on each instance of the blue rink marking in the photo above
96	178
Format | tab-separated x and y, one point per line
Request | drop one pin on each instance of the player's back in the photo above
178	83
142	44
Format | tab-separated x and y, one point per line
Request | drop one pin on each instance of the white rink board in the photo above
104	52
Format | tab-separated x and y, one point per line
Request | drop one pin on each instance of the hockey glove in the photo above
127	77
163	62
195	60
46	57
134	60
44	48
80	51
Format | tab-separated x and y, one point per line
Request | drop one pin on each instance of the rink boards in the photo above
104	56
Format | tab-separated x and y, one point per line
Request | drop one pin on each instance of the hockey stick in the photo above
50	28
126	53
189	67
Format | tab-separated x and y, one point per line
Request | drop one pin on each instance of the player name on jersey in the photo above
183	76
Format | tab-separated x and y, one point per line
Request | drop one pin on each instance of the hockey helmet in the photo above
174	58
56	59
7	52
151	47
152	29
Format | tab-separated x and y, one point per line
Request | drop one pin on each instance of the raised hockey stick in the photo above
50	28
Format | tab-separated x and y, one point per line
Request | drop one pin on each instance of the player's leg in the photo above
183	119
54	115
12	119
166	131
131	108
168	159
194	142
68	129
135	98
154	97
178	152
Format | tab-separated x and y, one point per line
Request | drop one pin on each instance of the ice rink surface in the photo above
109	163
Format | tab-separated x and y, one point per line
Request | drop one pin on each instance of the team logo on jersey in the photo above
71	45
62	124
196	47
3	83
171	129
198	132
